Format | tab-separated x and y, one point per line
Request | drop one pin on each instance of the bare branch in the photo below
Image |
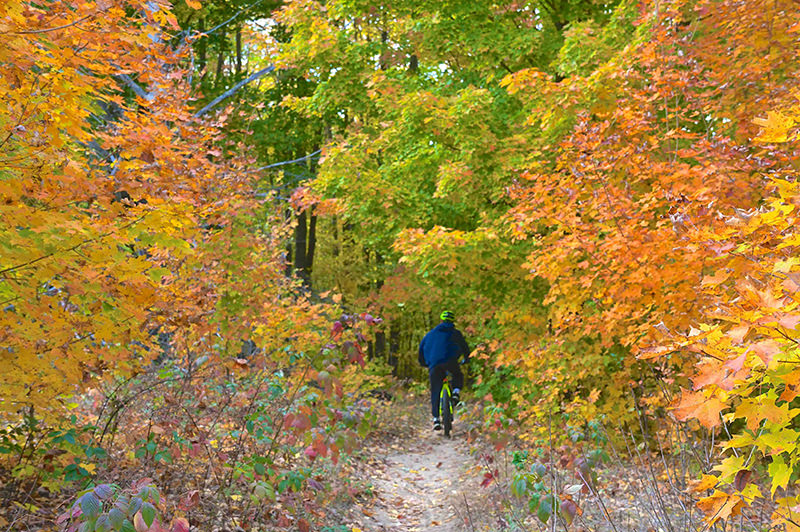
283	163
135	87
228	93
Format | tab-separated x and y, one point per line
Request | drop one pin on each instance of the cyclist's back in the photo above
439	351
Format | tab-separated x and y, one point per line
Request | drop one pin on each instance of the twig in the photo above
596	495
469	514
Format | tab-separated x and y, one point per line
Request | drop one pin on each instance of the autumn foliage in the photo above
605	193
147	317
611	211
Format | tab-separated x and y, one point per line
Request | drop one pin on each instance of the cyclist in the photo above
439	351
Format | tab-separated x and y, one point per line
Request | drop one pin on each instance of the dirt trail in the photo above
425	485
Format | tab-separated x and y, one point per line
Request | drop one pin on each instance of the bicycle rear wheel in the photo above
446	411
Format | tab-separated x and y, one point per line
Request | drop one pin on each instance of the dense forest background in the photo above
225	223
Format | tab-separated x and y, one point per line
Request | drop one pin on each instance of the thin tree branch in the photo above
71	248
240	12
228	93
48	30
283	163
135	87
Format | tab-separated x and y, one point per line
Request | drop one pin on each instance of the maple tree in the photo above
604	192
143	273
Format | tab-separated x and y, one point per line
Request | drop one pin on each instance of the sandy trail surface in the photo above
425	483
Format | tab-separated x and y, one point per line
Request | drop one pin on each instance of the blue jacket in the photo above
442	344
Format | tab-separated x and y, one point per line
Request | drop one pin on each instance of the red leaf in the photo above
737	334
569	510
766	350
180	524
301	422
142	482
359	355
75	512
336	330
789	321
742	478
190	500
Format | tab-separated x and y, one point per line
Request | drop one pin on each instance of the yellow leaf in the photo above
194	4
775	126
705	483
729	467
779	441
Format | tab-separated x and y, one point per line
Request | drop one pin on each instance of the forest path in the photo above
425	482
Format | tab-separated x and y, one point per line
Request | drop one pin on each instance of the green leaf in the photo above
104	491
103	524
90	505
519	486
545	510
533	502
116	518
156	274
779	472
148	513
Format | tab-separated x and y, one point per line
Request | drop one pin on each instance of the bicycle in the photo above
446	406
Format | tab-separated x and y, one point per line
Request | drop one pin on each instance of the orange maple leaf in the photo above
694	405
719	505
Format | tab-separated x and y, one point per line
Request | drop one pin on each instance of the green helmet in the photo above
447	315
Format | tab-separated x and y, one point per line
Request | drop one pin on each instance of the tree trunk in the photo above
394	349
380	344
203	49
238	52
300	242
312	243
220	60
336	243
